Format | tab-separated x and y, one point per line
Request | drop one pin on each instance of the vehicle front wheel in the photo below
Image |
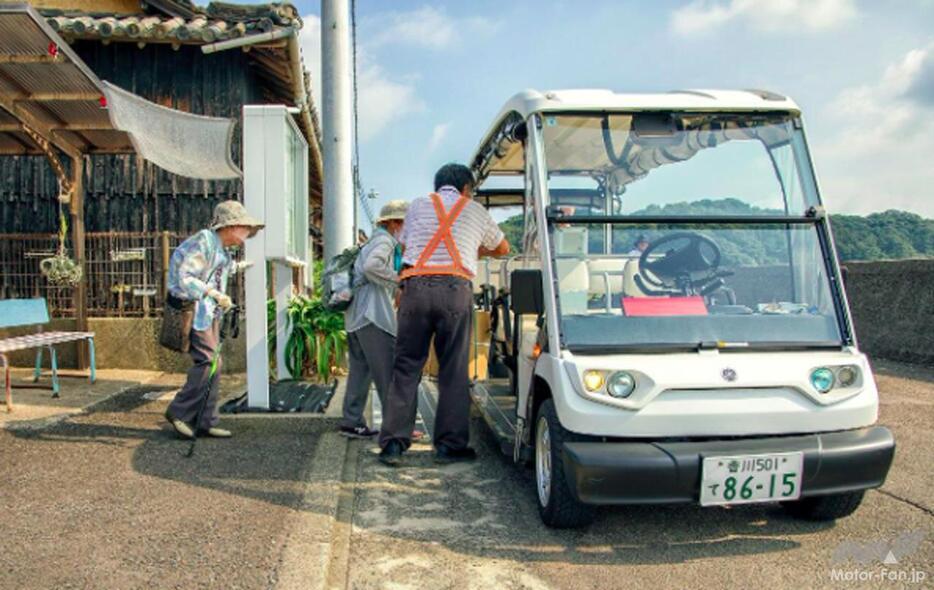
556	504
829	507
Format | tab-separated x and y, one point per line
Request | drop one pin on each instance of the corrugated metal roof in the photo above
45	85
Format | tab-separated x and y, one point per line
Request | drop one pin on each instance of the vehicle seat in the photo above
573	284
630	287
599	266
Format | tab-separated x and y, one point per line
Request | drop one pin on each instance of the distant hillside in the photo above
892	234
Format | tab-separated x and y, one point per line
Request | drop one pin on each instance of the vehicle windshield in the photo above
738	264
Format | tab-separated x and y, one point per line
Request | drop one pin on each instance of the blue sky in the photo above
432	76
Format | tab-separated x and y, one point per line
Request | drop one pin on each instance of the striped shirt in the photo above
473	228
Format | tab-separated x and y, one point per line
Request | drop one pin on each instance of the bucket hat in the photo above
230	213
393	210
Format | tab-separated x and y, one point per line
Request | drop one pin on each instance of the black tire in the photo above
561	510
825	508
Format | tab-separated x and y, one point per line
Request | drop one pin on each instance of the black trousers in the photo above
438	306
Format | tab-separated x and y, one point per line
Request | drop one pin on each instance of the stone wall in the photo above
893	308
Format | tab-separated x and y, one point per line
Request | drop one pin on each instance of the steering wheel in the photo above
676	261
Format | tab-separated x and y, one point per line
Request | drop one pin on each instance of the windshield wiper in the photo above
662	347
776	346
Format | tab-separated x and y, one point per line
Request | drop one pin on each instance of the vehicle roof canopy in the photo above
500	154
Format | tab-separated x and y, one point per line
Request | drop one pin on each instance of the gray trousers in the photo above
370	350
439	306
188	400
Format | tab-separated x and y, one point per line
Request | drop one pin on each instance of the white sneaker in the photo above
216	432
182	428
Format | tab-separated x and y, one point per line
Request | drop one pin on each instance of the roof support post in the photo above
78	237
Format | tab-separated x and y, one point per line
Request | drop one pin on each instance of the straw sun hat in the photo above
393	210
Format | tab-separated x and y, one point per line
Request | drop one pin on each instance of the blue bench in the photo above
35	312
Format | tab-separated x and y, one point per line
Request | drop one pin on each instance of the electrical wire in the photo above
358	185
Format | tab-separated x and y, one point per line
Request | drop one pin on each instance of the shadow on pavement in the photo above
485	509
488	509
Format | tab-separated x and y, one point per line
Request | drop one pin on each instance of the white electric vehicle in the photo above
675	328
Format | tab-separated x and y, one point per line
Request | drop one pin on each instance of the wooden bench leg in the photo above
38	372
93	362
7	387
54	355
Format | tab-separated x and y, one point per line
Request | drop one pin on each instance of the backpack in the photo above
337	280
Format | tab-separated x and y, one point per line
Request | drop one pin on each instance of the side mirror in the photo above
526	294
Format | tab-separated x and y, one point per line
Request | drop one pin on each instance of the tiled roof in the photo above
181	22
211	26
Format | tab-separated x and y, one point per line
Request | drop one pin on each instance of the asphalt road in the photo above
476	526
106	500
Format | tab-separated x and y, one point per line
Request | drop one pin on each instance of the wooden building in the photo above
134	212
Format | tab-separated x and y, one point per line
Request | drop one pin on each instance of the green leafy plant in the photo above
317	342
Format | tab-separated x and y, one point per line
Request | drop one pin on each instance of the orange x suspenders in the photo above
445	223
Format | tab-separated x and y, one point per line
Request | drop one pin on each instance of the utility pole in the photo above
337	127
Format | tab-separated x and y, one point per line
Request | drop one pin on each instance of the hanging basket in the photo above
61	270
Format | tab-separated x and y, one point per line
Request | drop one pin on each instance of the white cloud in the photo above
381	100
428	27
767	15
879	157
438	134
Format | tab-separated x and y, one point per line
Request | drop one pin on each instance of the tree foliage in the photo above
892	234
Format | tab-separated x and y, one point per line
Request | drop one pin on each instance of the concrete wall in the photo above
893	308
128	343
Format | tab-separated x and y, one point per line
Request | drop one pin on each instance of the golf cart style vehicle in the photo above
675	328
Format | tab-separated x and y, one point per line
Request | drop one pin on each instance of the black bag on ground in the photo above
178	317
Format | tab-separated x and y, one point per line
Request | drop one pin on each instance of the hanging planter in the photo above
61	270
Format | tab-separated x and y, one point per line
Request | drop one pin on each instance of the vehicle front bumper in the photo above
656	472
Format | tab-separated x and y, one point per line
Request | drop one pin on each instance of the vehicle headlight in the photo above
822	379
593	381
848	375
620	384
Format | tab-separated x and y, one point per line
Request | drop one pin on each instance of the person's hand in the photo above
397	299
243	265
223	300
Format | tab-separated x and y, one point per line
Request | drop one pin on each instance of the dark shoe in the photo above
391	454
358	432
183	429
444	454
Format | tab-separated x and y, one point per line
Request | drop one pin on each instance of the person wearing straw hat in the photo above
370	320
198	271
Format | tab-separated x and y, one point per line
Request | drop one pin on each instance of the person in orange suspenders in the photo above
443	236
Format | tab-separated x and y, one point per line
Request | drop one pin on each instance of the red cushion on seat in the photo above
664	306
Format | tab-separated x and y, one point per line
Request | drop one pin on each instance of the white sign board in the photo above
275	185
